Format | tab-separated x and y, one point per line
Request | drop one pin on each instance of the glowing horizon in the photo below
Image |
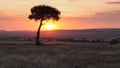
75	14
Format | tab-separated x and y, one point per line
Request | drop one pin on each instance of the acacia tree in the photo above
41	13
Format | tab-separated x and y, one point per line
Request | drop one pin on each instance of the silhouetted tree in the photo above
41	13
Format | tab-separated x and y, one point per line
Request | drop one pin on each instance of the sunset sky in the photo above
75	14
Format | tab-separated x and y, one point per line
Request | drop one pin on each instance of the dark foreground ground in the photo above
14	54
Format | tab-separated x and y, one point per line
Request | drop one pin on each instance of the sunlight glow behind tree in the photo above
49	26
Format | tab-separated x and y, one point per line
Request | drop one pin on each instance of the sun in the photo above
49	26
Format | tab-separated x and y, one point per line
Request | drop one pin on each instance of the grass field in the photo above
15	54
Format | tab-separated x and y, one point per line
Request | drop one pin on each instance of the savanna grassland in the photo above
18	54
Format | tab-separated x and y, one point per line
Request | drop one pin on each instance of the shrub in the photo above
114	41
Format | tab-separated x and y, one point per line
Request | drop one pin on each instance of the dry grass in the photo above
58	55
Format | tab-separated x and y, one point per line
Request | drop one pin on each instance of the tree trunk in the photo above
38	42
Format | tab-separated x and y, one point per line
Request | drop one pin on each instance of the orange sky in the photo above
75	14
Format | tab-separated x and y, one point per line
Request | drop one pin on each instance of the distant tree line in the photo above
111	41
83	40
17	38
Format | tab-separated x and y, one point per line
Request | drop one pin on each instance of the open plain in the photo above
19	54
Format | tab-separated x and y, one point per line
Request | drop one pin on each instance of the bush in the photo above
114	41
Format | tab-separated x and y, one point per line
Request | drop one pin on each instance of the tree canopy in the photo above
43	12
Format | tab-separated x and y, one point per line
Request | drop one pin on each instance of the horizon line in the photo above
65	29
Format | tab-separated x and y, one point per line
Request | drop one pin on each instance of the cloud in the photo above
106	17
98	20
101	17
73	0
116	2
23	0
0	11
4	16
